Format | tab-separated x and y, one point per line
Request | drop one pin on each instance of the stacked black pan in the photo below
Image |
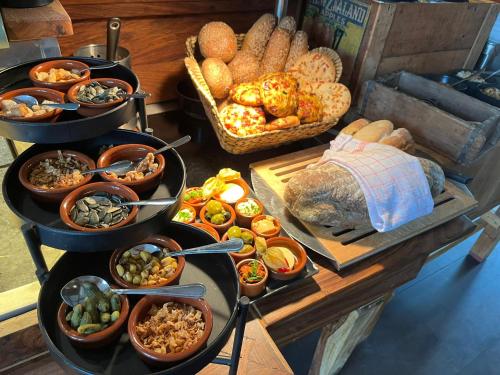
42	225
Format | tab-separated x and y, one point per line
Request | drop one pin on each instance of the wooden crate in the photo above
447	121
346	247
421	38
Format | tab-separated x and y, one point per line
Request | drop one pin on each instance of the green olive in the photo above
234	232
217	219
126	254
247	238
115	315
120	270
132	268
128	277
136	280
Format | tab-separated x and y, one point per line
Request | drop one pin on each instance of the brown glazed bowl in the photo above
277	225
239	182
40	94
132	152
92	109
58	64
222	228
244	220
237	257
196	206
139	313
190	208
94	340
252	290
90	189
161	241
58	194
296	249
207	228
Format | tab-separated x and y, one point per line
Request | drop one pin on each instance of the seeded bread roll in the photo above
218	77
298	47
244	67
217	39
276	53
288	23
257	37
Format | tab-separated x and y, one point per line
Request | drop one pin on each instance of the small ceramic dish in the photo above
274	233
59	64
207	228
296	249
162	241
231	199
132	152
186	220
140	311
197	205
245	220
93	109
52	195
222	228
40	94
90	189
252	289
237	257
94	340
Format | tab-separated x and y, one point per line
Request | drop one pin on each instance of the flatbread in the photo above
335	97
314	67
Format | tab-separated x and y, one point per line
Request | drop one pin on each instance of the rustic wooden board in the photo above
348	247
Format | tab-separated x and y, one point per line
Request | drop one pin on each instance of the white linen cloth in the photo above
393	182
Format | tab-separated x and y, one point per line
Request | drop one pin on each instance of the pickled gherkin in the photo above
105	317
86	319
103	305
87	329
76	316
116	304
115	316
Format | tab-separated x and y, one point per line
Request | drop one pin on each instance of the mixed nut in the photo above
100	210
97	93
62	172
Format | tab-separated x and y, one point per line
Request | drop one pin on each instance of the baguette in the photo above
298	47
276	52
355	126
257	37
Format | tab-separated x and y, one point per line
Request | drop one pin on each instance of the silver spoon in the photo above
73	293
95	67
150	202
123	166
31	101
234	245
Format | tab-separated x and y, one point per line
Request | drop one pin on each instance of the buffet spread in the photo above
125	225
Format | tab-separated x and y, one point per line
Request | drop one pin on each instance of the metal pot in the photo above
99	51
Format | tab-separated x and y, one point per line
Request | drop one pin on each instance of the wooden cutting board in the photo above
348	246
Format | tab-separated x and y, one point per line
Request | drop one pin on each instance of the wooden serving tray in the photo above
348	246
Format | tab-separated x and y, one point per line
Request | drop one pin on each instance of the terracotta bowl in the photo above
90	189
162	241
237	257
207	228
252	290
275	233
91	109
196	206
40	94
245	220
223	227
240	182
64	64
52	195
94	340
190	208
139	313
132	152
295	248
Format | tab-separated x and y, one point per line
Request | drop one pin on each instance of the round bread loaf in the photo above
244	67
242	120
257	37
314	67
217	39
218	77
298	48
335	97
276	53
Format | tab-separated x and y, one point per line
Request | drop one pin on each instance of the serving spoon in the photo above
95	67
73	293
31	101
234	245
123	166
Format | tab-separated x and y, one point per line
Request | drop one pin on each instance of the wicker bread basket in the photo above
242	145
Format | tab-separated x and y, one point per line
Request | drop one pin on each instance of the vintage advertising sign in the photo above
338	24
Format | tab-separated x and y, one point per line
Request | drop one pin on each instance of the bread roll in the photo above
314	67
217	39
274	59
375	131
244	67
400	138
355	126
298	48
288	23
335	98
330	195
218	77
257	37
283	123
